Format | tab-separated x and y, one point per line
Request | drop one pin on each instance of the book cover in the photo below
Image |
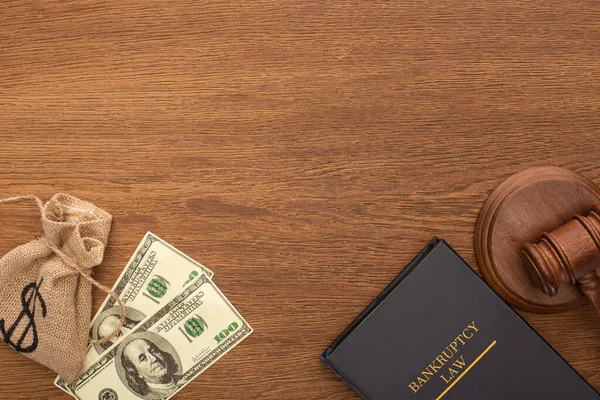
439	332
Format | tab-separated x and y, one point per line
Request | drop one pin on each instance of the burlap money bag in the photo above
46	288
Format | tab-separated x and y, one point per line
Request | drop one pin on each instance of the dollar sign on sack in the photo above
30	297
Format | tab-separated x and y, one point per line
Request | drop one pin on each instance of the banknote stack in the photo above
178	323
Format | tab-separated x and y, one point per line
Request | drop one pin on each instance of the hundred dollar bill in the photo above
155	274
167	350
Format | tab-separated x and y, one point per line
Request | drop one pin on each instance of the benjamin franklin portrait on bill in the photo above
106	323
148	365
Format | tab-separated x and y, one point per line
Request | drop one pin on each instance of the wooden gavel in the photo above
570	254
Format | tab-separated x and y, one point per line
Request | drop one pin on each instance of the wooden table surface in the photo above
305	151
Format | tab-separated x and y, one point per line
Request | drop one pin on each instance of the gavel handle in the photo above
590	286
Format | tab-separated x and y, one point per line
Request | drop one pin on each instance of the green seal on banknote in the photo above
158	286
195	326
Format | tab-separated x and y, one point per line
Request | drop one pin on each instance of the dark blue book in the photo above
439	332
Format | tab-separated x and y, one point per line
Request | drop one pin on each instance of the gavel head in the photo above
566	254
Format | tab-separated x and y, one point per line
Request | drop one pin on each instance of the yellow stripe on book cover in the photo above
466	370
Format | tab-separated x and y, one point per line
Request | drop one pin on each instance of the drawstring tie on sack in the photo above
74	266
